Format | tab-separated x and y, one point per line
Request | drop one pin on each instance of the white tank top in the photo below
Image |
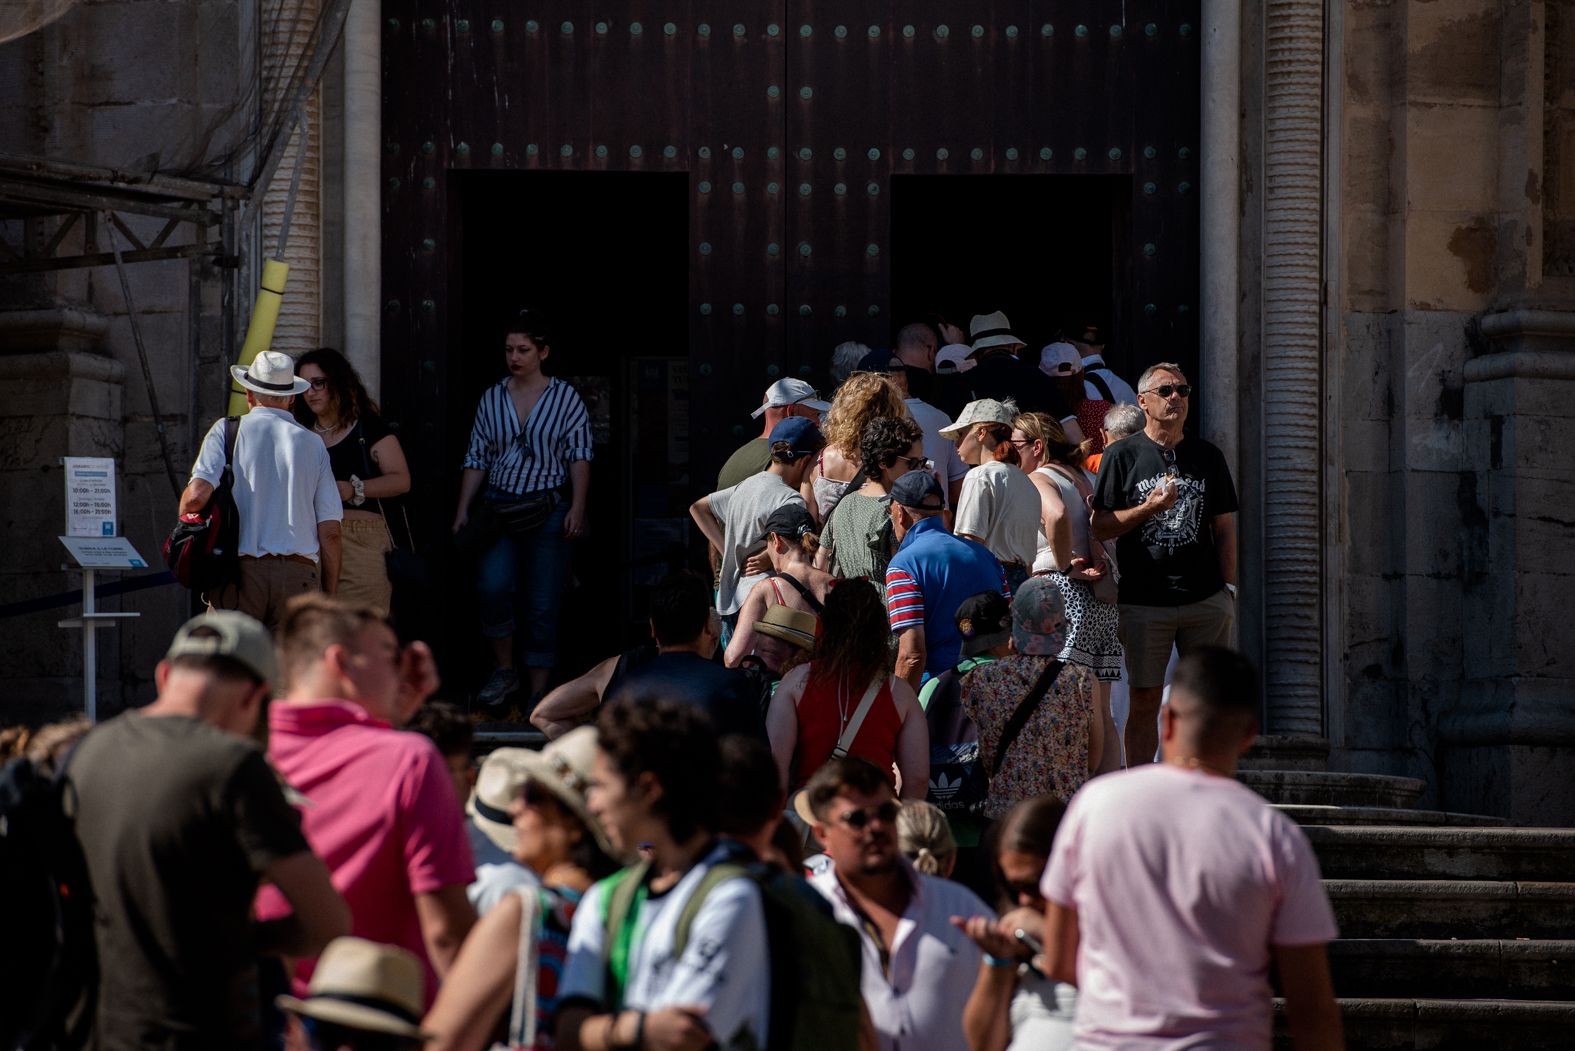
1077	512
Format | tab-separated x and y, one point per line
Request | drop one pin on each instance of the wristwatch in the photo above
358	491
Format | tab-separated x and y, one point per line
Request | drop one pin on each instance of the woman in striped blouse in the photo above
529	462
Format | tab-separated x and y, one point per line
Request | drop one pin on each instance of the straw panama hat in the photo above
271	373
364	985
563	768
790	625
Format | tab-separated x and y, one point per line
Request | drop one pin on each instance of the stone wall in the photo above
134	85
1441	164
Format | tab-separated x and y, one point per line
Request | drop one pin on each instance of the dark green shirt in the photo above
751	458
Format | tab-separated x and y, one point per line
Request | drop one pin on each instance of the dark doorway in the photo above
604	255
1048	250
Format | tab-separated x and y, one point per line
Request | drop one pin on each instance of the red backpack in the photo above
202	550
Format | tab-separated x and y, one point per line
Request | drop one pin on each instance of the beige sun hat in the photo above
271	372
991	330
985	410
563	768
790	625
366	986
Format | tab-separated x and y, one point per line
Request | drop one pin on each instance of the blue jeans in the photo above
533	566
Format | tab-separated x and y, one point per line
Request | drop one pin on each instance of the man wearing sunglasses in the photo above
1167	499
914	990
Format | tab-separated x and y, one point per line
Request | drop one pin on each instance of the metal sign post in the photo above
91	540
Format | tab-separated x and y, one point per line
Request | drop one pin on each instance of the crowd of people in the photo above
867	789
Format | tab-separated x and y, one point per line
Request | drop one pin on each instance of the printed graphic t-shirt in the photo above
1169	560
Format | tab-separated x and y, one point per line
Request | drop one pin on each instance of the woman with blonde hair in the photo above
863	397
1081	567
925	838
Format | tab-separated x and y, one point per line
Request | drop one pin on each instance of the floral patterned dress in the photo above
1050	756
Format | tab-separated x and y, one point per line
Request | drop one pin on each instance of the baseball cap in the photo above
790	392
802	436
1060	359
918	490
984	621
227	633
1039	618
880	361
985	410
954	357
789	521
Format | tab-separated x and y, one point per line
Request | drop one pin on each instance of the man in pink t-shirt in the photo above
381	809
1172	888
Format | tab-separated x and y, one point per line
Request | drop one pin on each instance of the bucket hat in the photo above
985	410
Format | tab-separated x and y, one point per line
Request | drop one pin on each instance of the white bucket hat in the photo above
362	985
272	373
991	330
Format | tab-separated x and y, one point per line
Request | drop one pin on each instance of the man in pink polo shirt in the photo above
1172	886
382	811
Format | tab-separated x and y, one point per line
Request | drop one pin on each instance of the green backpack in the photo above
816	1000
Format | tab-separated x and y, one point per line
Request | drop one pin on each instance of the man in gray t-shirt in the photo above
734	519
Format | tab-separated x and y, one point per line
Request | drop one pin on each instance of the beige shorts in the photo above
1148	632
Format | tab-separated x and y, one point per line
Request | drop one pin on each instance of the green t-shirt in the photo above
751	458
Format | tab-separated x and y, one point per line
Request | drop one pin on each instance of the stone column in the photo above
1292	363
363	191
57	398
1506	748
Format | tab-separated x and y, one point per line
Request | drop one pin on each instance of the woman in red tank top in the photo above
817	702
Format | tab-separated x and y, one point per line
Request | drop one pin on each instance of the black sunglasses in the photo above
319	383
1165	390
1169	456
858	820
330	1036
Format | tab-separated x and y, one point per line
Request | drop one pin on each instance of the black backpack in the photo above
202	551
49	969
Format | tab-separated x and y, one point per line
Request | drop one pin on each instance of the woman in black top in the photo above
368	464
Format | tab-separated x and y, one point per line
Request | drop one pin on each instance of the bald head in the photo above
917	344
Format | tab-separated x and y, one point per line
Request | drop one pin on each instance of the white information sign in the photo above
90	496
110	552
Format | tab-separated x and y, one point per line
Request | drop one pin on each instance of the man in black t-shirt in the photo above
1169	502
179	817
687	629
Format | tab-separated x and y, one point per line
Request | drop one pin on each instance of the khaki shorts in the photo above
1148	632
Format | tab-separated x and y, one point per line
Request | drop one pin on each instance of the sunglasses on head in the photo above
1165	390
859	819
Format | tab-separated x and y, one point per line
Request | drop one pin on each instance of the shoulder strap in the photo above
522	1019
803	590
1019	719
686	916
1099	381
851	732
620	912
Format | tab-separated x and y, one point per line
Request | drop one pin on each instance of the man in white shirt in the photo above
999	506
1098	378
284	490
734	519
654	784
919	967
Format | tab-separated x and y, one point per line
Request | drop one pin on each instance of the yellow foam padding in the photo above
265	318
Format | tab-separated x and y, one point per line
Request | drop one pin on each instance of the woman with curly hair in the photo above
369	467
818	702
861	398
856	539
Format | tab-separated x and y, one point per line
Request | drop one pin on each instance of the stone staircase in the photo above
1456	931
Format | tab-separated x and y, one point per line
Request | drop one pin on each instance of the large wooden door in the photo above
796	124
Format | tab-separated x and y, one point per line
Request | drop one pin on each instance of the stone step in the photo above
1447	1025
1438	968
1448	908
1526	854
1327	788
1310	814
